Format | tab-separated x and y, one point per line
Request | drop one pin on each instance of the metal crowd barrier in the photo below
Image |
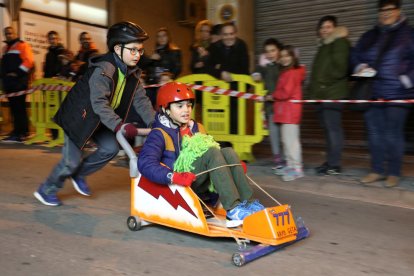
231	119
44	104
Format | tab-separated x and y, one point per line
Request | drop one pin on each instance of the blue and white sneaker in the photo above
255	206
47	199
236	215
280	170
80	186
292	174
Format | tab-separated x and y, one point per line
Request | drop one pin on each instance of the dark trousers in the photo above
385	125
74	163
19	115
230	183
330	118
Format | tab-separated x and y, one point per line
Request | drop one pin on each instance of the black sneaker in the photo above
207	213
334	170
322	169
13	139
329	170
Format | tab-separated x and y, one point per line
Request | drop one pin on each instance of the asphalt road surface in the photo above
89	236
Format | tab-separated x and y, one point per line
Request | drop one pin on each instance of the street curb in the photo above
340	187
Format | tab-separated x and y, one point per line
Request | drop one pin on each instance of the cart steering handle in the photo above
133	164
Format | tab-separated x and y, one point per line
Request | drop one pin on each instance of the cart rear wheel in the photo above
238	259
134	223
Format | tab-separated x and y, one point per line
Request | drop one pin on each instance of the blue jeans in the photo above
74	164
385	128
274	134
330	118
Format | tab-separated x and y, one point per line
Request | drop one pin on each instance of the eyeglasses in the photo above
386	10
135	51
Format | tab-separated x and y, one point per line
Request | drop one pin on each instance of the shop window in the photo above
55	7
91	11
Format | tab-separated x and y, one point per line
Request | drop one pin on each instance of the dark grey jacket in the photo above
88	105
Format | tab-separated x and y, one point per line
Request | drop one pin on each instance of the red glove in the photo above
130	131
183	178
244	166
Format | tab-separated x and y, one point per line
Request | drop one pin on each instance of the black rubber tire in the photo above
134	223
238	259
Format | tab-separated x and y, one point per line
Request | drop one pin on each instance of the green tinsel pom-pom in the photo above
192	148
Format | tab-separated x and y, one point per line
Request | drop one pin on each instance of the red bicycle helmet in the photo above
173	92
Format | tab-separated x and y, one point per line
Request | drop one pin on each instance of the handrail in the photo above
133	159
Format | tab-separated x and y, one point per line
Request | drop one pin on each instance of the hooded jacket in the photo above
289	87
88	105
330	69
270	75
159	153
395	70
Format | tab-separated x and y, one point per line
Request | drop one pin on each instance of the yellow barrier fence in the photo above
44	104
229	119
234	120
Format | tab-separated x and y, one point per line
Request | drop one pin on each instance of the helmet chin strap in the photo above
122	52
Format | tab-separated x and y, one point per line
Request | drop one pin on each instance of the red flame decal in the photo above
157	190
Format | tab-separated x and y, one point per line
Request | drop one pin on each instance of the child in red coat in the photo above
288	114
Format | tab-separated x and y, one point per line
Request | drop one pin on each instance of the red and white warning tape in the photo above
250	96
220	91
227	92
210	89
44	87
353	101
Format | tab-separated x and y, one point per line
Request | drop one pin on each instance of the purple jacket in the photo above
395	71
157	156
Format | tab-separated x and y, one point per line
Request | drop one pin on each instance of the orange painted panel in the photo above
272	223
180	208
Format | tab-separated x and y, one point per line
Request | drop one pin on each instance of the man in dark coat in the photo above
53	63
329	81
228	55
387	51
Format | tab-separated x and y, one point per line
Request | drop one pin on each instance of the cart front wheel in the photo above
134	223
238	259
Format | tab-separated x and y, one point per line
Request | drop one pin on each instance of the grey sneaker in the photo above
292	174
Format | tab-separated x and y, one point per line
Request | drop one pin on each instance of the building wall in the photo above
246	28
154	14
151	15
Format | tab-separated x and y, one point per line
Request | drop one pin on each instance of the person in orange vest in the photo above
17	63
